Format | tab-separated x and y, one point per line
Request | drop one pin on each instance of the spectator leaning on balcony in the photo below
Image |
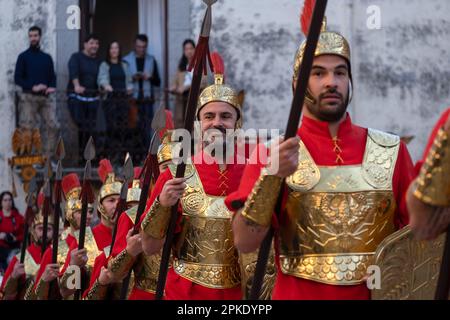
35	74
145	73
115	79
182	82
84	99
11	229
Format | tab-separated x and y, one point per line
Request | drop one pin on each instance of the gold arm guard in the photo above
260	204
11	286
121	264
433	182
30	293
41	291
156	221
97	292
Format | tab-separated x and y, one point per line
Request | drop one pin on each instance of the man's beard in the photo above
324	112
35	44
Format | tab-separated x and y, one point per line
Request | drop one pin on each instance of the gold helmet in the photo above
219	91
134	192
330	43
111	186
165	135
72	189
167	148
39	218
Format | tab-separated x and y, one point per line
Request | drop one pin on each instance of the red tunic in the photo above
13	224
34	251
47	259
215	183
351	142
102	235
124	225
442	120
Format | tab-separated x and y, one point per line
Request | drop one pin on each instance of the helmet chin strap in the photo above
109	220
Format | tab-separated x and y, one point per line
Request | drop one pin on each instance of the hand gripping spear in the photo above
199	64
87	196
292	126
60	154
46	207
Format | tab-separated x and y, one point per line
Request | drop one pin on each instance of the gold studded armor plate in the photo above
337	216
204	250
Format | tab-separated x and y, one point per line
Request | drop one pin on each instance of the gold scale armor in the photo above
337	216
204	251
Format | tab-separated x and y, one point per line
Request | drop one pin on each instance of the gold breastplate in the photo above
337	216
204	251
30	266
91	246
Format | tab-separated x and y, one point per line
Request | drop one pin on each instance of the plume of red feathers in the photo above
218	64
104	169
169	124
70	182
306	16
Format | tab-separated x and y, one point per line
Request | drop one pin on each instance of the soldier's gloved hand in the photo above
78	257
283	160
134	243
105	277
172	191
18	271
51	272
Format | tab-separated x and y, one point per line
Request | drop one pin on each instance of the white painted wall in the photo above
402	71
15	19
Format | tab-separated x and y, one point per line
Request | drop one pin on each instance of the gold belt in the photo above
213	276
334	269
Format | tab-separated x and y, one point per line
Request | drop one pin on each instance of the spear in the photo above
128	174
291	131
29	216
199	65
87	196
149	171
59	154
46	206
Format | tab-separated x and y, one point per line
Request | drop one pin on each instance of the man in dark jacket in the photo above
35	74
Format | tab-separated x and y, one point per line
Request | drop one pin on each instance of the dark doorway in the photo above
116	20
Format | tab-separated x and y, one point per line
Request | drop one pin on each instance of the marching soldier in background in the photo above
49	271
345	188
429	194
127	251
102	278
18	280
99	238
